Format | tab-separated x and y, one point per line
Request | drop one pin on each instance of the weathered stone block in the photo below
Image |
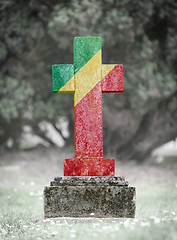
89	197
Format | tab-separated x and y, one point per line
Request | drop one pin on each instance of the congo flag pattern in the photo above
88	78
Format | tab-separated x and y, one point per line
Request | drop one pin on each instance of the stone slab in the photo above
84	181
106	197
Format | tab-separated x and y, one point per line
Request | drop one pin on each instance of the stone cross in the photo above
88	78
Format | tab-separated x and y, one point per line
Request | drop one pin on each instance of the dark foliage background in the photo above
139	34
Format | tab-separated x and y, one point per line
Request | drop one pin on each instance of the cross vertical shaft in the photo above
88	110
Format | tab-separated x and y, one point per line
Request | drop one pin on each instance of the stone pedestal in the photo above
89	197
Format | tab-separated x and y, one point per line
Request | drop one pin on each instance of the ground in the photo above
23	176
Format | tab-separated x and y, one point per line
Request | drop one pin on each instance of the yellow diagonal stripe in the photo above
106	68
68	87
87	77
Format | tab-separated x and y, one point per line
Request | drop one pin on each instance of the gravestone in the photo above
89	187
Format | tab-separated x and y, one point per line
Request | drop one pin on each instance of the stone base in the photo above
89	197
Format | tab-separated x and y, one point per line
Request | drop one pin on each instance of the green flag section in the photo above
84	49
61	74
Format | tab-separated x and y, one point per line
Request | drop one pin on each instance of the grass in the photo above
21	202
21	216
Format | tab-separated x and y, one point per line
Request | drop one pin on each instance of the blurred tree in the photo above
141	35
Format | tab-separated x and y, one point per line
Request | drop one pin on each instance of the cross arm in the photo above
112	78
63	78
